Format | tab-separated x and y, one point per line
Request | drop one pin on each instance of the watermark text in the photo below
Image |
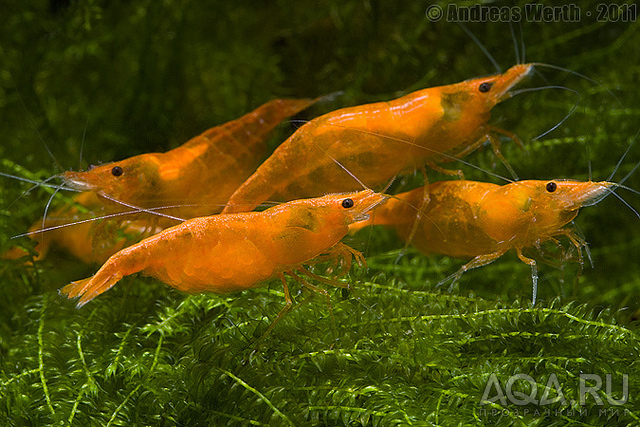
533	12
522	389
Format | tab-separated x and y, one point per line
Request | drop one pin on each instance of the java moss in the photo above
98	81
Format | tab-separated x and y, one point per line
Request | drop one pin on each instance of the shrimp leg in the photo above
289	301
342	255
534	273
317	290
287	305
423	207
476	262
577	242
512	136
331	282
495	144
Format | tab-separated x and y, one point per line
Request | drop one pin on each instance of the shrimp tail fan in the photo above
89	288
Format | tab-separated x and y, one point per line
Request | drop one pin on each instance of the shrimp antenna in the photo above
86	220
564	119
515	43
84	132
523	44
627	176
348	171
589	159
343	167
299	122
140	209
619	197
412	144
42	184
582	76
633	141
620	185
391	181
96	218
46	208
481	46
36	185
33	123
39	183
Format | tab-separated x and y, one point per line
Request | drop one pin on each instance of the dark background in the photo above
85	82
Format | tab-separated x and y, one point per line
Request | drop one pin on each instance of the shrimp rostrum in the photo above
482	221
227	253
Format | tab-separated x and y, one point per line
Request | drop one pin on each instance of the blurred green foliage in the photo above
89	81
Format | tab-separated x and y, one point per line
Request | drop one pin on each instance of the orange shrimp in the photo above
92	235
377	141
227	253
77	241
197	177
483	221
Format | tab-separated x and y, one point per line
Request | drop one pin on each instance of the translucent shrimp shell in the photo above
466	218
377	141
226	253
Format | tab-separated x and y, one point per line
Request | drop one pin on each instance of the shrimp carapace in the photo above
377	141
199	176
227	253
468	219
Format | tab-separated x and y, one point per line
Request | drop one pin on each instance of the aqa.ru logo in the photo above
589	384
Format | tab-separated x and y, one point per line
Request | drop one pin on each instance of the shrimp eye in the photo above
551	187
117	171
347	203
91	167
485	87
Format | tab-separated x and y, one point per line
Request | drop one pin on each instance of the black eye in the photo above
116	171
485	87
347	203
551	187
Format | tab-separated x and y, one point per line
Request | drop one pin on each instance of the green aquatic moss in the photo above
87	82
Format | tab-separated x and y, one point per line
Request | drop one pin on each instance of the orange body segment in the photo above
377	141
468	219
199	176
196	179
226	253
